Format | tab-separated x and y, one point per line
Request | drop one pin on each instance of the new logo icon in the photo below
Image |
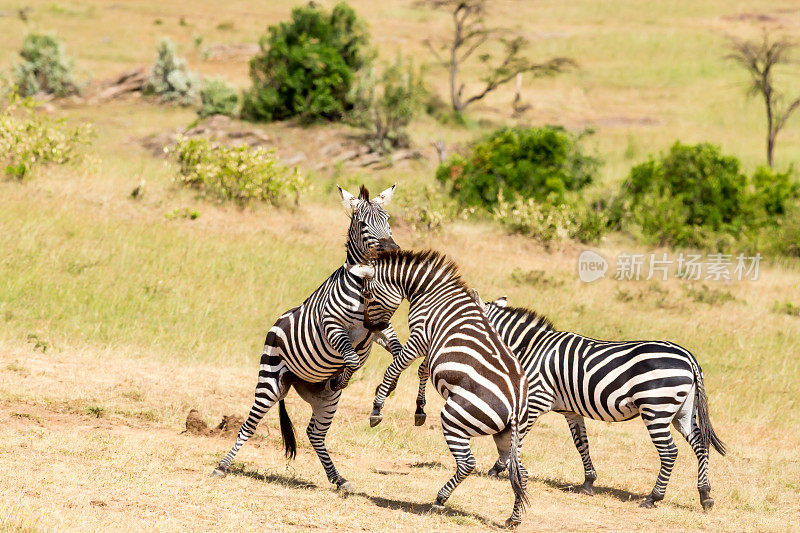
591	266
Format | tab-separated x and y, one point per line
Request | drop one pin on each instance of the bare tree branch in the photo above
469	36
759	59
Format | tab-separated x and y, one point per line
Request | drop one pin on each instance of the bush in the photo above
307	66
547	222
217	98
28	139
695	196
384	105
170	79
44	67
539	163
240	174
424	208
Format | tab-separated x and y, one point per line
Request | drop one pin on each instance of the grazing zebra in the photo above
478	376
611	381
317	346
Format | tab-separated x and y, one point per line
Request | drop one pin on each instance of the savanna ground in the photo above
115	320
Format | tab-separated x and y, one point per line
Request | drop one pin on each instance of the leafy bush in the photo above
44	67
551	222
696	196
384	105
424	208
170	79
240	174
217	98
539	163
307	66
28	139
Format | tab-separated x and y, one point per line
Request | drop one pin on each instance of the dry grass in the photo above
71	470
115	321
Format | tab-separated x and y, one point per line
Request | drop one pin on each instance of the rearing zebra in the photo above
611	381
317	346
480	379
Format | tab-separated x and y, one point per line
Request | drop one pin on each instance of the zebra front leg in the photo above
422	374
389	382
272	386
339	340
324	402
667	452
578	429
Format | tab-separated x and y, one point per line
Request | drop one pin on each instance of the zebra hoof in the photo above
494	472
217	472
707	504
512	523
345	488
586	489
647	503
374	420
437	507
419	419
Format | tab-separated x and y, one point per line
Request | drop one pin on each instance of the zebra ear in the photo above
348	200
384	197
477	298
363	271
501	302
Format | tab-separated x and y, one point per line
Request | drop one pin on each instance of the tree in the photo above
760	60
470	35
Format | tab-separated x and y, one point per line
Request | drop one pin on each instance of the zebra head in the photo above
369	224
495	308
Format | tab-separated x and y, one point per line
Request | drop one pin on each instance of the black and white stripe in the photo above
611	381
480	379
317	346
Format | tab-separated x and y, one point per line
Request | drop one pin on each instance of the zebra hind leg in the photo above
272	387
324	402
578	429
465	461
658	427
686	424
419	414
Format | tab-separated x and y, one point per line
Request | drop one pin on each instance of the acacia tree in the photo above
470	35
760	60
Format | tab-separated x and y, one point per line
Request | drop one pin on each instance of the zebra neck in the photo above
354	255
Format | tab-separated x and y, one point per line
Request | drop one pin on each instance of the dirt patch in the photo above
228	426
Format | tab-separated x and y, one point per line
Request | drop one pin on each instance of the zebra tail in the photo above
514	463
287	431
707	434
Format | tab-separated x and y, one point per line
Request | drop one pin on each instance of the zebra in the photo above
317	346
610	381
481	381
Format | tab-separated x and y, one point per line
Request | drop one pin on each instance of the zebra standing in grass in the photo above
317	346
480	379
611	381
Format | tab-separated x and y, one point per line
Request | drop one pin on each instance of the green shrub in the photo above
786	308
170	79
239	174
384	105
217	98
698	197
28	139
44	67
424	208
539	163
548	221
307	66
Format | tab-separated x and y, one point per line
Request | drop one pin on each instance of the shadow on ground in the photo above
409	507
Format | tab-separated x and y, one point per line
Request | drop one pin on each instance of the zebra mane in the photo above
363	193
529	316
438	262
